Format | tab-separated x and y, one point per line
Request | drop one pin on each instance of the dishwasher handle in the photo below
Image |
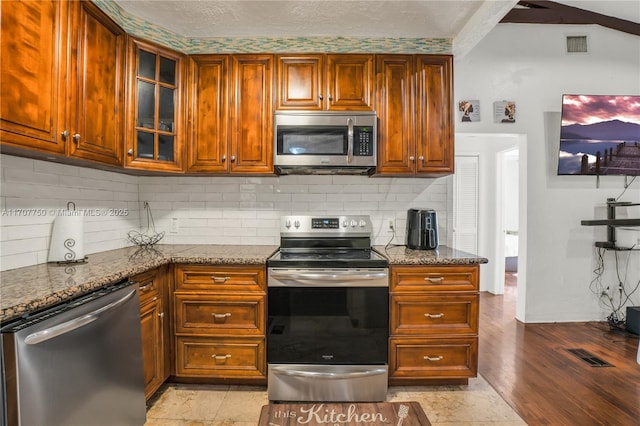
68	326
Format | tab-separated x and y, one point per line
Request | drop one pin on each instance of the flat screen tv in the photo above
600	135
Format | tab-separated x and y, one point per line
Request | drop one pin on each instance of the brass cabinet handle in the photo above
76	137
432	358
130	152
220	280
145	287
221	317
220	359
321	97
233	158
434	279
161	314
330	97
421	158
440	315
65	134
224	158
412	158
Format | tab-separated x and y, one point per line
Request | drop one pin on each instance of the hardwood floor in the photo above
530	367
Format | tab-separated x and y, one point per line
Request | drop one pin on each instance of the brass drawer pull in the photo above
440	315
220	280
221	317
146	287
432	358
220	359
435	280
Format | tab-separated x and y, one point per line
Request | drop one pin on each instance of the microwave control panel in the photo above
363	141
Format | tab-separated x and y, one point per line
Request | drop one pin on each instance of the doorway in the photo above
501	206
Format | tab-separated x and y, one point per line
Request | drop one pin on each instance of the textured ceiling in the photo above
464	22
208	18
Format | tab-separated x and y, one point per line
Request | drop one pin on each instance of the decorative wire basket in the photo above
150	236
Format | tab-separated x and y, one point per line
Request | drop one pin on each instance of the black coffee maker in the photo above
422	229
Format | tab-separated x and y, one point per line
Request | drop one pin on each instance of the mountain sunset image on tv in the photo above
600	135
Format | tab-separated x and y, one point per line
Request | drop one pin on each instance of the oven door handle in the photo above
328	276
287	371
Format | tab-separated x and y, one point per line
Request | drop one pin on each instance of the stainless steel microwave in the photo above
325	142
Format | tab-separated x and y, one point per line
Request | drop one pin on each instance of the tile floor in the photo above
477	404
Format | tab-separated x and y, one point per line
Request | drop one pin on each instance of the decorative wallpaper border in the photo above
148	31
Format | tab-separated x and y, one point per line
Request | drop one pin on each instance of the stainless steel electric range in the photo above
328	309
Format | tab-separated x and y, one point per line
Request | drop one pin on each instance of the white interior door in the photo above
465	204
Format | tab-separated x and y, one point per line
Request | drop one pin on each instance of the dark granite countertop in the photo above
443	255
32	288
36	287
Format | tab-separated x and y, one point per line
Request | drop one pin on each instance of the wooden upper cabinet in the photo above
252	114
414	105
33	39
300	82
350	82
208	89
434	112
97	69
394	106
325	82
155	120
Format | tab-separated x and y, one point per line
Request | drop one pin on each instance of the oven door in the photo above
327	336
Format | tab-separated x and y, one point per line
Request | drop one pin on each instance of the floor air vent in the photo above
590	358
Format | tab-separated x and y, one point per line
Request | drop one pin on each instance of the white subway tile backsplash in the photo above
210	210
107	200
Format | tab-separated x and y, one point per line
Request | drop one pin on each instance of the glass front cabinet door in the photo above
156	108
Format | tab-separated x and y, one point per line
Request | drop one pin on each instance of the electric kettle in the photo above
422	229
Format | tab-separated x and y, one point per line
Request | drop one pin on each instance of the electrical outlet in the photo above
175	225
392	225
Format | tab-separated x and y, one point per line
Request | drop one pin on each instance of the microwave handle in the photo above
349	140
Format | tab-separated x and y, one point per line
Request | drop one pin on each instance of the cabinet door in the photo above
396	146
434	114
350	82
252	134
208	113
33	39
98	50
156	108
151	319
300	82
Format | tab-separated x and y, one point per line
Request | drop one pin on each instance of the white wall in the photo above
31	191
527	64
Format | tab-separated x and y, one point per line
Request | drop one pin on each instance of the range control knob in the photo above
362	224
296	224
345	224
288	224
353	223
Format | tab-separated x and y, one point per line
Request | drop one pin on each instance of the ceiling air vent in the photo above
577	44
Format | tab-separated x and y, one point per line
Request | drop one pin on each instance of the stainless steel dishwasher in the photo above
79	363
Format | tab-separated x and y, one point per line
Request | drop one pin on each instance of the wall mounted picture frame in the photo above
504	112
469	110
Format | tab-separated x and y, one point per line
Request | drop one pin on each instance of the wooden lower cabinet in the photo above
154	328
434	315
219	323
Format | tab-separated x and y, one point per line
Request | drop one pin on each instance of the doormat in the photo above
344	414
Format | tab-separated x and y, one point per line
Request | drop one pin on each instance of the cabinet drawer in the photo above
434	278
433	358
148	285
220	314
220	358
220	278
437	314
